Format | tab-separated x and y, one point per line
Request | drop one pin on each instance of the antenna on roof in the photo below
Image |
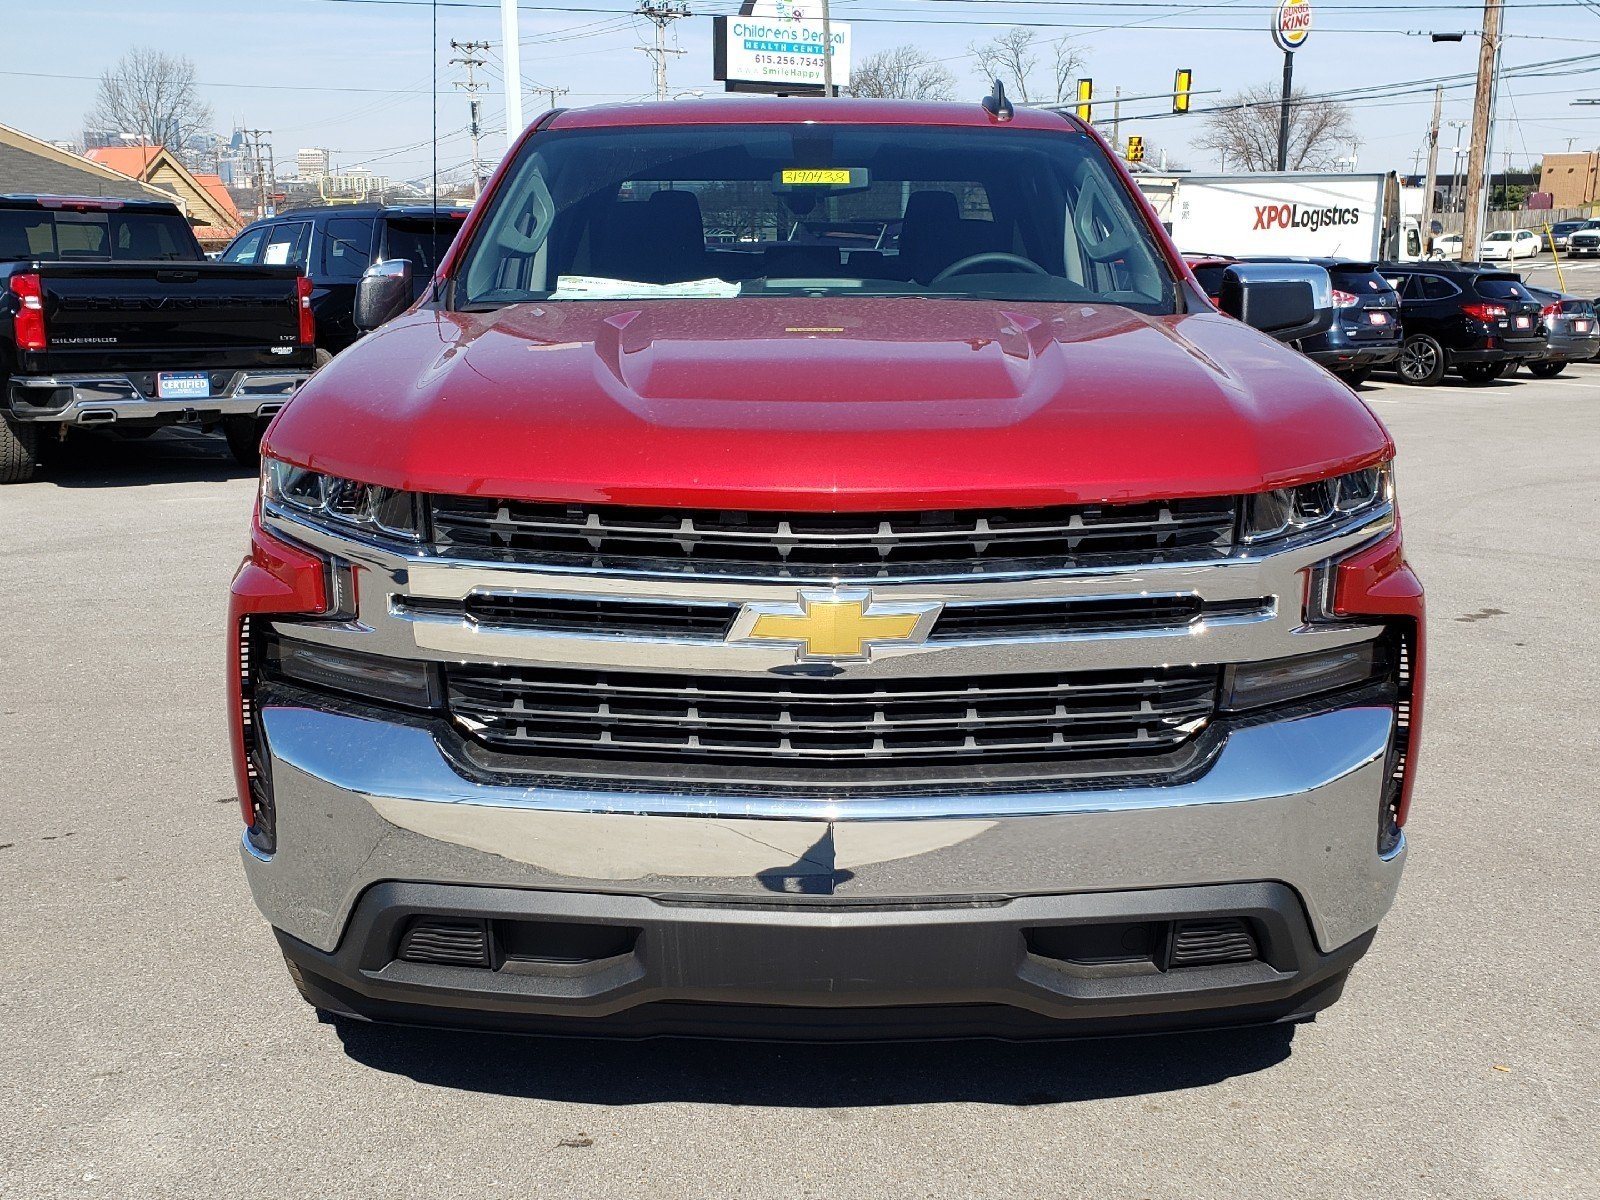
996	104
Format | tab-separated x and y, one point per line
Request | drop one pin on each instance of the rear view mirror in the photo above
383	293
1289	301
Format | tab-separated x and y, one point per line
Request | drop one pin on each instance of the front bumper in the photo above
105	399
362	803
1014	968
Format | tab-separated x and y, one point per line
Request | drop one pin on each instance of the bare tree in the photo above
1244	130
904	73
1014	56
152	96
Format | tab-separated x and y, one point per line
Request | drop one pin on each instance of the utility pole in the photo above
468	52
1116	121
662	13
511	54
552	92
1478	161
1433	166
253	141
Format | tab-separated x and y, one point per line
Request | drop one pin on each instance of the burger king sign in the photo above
1291	24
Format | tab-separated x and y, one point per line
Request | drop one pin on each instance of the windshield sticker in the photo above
816	177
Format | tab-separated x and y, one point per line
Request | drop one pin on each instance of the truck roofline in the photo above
793	110
19	200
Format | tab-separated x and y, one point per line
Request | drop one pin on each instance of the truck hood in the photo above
825	404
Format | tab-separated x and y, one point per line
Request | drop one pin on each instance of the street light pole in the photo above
511	53
1283	112
827	52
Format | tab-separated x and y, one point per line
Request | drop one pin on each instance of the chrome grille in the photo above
823	721
854	545
711	621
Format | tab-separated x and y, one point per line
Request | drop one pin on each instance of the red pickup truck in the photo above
666	626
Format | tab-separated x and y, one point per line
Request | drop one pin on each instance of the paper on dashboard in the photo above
590	287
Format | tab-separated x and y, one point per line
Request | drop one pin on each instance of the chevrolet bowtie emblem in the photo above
834	626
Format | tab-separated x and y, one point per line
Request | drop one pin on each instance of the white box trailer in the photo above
1305	214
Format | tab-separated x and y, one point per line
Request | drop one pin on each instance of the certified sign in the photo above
1291	24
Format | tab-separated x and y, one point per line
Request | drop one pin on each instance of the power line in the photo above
545	89
661	13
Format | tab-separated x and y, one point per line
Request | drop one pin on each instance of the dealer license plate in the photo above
1581	327
1378	318
183	385
1524	322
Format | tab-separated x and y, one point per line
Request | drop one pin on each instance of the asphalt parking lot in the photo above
1576	276
155	1047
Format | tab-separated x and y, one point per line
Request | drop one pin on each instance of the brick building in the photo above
1573	180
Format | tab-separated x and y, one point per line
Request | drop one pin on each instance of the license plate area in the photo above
183	385
1524	322
1378	320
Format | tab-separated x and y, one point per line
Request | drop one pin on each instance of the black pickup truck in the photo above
111	316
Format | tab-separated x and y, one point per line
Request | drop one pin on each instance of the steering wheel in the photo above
998	258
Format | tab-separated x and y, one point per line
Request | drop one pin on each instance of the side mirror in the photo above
383	293
1290	301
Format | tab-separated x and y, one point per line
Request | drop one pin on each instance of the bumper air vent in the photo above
1210	943
1399	753
446	943
263	832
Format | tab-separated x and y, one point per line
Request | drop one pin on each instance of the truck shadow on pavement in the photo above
592	1071
91	460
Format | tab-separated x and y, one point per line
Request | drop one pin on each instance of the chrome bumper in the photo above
361	801
103	399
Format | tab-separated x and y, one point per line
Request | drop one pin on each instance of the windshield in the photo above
764	210
59	235
1501	237
423	240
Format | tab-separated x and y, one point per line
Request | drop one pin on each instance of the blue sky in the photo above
355	76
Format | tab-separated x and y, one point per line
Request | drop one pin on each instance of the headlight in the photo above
342	502
1312	506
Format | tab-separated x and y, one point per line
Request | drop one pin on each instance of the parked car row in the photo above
1575	238
1429	319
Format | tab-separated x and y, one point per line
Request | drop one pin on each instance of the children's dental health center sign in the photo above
776	45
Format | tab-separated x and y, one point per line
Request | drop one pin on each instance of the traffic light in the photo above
1180	90
1085	100
1135	148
